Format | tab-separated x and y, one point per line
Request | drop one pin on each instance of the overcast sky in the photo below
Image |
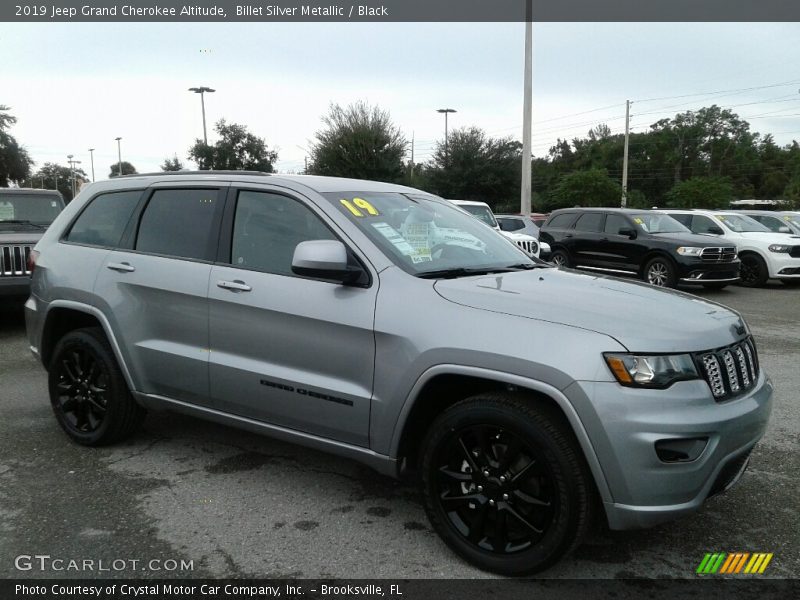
79	85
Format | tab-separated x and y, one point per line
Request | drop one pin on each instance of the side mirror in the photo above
716	230
324	259
784	229
628	231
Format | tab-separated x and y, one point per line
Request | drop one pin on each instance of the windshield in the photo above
658	223
422	233
33	208
792	222
484	213
741	223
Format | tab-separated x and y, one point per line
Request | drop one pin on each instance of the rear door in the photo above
619	251
288	350
155	289
589	249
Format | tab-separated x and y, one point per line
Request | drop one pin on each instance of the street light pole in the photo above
202	90
446	111
91	155
525	200
119	156
625	154
71	174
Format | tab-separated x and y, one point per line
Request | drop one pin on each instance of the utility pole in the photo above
119	156
71	174
411	173
203	90
446	111
625	154
91	155
525	193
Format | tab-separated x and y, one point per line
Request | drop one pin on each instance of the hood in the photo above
17	236
693	239
641	317
770	237
518	236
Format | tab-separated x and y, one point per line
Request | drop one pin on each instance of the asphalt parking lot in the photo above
238	504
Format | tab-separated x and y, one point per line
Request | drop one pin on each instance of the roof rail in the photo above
209	172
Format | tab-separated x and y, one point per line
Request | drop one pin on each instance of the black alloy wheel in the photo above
88	392
754	272
495	488
505	483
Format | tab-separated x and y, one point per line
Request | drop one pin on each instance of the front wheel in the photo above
88	393
754	272
505	484
660	272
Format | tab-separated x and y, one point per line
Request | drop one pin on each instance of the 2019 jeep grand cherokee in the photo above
384	324
643	243
24	215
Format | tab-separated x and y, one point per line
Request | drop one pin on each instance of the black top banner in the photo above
400	10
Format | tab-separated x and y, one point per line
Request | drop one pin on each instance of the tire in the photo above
535	505
660	272
560	258
754	272
715	286
88	392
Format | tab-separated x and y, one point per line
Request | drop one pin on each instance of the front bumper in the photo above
15	287
624	425
783	266
698	271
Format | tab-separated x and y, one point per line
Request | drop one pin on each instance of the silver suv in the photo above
383	324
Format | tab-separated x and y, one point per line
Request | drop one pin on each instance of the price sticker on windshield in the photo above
720	217
638	221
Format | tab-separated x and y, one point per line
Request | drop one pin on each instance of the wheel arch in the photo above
656	253
64	316
443	385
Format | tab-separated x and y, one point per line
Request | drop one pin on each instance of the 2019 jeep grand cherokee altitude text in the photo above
383	324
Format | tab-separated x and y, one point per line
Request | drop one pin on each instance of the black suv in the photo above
659	250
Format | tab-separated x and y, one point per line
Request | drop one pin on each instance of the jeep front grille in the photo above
14	260
719	254
730	371
529	247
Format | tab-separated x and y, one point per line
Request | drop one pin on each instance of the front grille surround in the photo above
529	247
14	259
729	371
718	254
795	252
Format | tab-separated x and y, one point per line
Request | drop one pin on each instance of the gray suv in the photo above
24	215
385	325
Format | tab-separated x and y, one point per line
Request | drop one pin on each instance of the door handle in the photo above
121	267
235	286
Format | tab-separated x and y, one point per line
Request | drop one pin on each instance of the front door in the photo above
288	350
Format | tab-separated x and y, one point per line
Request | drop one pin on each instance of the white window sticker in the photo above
397	240
6	211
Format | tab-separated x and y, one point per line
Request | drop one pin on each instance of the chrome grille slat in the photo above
719	254
14	259
730	371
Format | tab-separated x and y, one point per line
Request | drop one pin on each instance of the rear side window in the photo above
103	221
179	223
511	224
592	222
563	220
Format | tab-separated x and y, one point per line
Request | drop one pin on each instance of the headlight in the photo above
780	248
659	371
690	251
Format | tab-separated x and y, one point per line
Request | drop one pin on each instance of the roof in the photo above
315	182
467	202
627	211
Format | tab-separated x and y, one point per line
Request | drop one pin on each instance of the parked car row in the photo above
673	246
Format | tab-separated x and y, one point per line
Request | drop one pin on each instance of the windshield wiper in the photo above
22	222
466	272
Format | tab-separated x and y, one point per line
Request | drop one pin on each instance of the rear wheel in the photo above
505	483
560	258
754	272
88	392
660	272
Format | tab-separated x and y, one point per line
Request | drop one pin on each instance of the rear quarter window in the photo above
104	219
563	220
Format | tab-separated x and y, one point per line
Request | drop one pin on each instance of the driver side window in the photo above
268	227
701	224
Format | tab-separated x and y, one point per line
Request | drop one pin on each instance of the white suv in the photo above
480	210
764	253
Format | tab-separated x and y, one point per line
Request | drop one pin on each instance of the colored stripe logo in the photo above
734	563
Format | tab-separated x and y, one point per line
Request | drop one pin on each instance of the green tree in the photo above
701	192
172	164
15	163
127	169
359	141
236	149
475	166
52	174
585	188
